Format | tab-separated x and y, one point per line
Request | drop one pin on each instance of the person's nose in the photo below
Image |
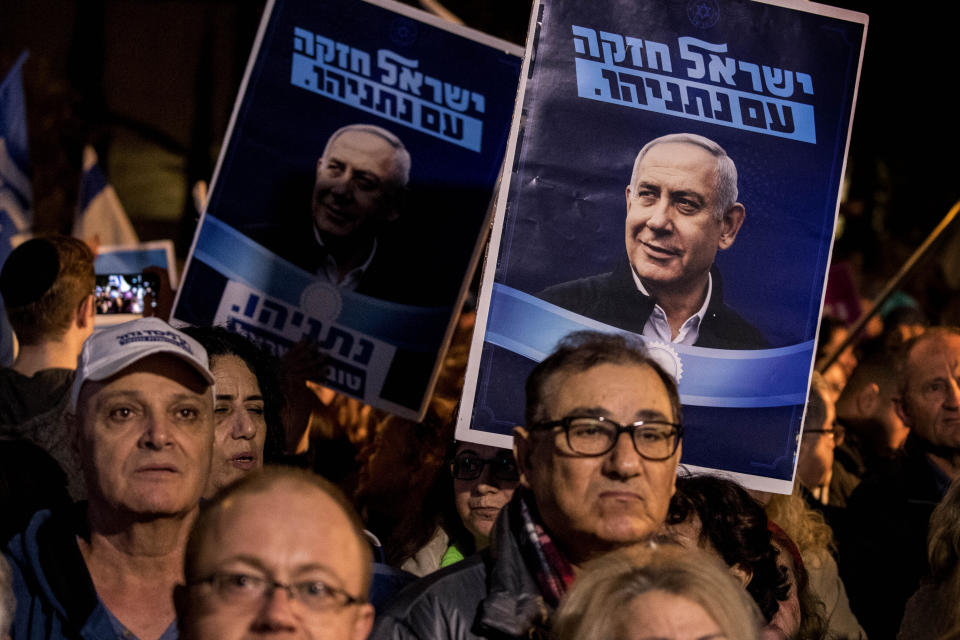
952	400
487	482
341	185
156	432
659	218
276	612
623	461
243	426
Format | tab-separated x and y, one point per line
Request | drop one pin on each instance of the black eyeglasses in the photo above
469	466
248	589
595	435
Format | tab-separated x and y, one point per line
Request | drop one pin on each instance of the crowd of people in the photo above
164	483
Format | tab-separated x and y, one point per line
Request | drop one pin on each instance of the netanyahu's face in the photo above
355	190
672	228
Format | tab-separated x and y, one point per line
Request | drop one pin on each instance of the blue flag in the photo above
100	217
16	194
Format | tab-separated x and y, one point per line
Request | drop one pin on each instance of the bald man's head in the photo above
279	528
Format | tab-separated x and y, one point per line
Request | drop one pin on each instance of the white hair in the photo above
401	160
8	603
726	179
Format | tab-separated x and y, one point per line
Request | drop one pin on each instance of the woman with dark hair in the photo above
247	406
719	516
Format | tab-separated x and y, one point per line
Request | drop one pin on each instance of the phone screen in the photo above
124	293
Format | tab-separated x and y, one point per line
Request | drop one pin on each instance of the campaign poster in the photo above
727	223
353	193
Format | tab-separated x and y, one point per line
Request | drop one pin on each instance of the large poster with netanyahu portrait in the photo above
675	168
354	191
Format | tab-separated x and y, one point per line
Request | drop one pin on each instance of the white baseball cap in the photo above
109	351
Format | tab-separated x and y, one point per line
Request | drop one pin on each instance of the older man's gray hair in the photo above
726	180
401	160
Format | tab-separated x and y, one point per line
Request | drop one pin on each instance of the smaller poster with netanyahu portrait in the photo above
353	192
674	172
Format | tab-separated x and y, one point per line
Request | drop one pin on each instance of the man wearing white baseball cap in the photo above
142	413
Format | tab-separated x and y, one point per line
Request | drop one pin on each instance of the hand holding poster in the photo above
675	174
352	196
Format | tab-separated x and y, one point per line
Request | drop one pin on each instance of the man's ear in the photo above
522	453
363	622
902	411
86	311
867	399
397	203
742	573
730	225
673	482
627	194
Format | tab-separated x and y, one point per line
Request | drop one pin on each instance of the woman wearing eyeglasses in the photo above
484	479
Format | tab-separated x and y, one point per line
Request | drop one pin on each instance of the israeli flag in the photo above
100	218
16	194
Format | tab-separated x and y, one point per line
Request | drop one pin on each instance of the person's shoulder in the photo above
443	604
724	328
575	292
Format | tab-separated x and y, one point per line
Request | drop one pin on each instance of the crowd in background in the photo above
866	545
408	520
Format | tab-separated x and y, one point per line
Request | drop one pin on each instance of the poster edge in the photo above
468	395
458	29
808	6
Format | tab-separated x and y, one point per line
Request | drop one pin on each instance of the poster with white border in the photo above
585	239
353	194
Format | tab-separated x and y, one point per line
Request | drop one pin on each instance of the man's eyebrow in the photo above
366	174
253	561
688	193
258	564
335	580
602	412
648	185
651	415
119	394
590	412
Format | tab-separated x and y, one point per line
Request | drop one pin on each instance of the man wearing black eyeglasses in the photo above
597	459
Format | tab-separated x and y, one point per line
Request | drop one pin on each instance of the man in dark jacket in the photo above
585	491
884	543
141	408
681	209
